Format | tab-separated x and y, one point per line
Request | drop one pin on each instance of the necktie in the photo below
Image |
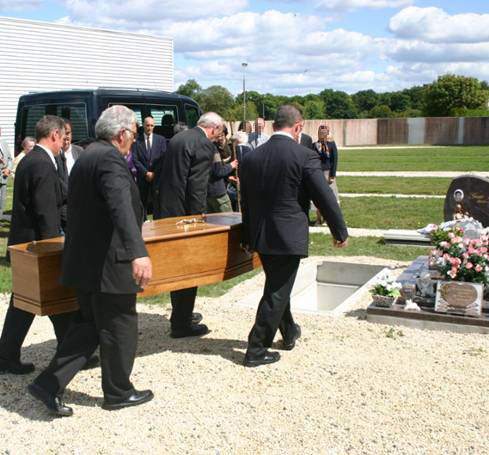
148	146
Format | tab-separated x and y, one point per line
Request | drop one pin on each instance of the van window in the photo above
165	119
77	113
192	115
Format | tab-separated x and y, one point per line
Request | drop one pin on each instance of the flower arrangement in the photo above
458	258
386	286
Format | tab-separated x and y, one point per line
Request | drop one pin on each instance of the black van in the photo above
83	108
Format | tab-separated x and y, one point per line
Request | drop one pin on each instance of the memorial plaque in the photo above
458	297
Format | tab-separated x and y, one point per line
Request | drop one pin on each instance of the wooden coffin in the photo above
185	252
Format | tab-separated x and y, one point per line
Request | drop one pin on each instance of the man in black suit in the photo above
146	155
305	139
277	181
106	261
183	191
35	216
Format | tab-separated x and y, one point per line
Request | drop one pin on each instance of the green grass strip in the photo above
394	185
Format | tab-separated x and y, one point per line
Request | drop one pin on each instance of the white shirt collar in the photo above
50	155
283	133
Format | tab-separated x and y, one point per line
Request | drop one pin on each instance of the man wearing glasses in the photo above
106	262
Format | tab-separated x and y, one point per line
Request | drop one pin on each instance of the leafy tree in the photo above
454	95
416	96
338	104
365	100
190	88
399	102
381	111
313	109
235	113
216	99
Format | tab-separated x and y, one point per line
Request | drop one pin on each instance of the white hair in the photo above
241	137
113	120
210	120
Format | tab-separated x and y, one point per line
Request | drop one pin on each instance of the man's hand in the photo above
340	244
142	270
331	180
234	164
149	176
6	172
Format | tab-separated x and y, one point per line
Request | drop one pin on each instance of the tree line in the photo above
449	95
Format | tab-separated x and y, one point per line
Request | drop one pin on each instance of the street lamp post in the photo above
244	65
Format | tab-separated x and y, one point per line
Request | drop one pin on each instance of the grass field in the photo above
389	212
415	159
394	185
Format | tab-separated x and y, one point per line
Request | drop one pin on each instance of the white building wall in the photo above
40	56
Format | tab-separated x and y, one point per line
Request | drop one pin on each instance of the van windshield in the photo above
77	113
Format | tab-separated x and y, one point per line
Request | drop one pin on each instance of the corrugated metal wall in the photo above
40	56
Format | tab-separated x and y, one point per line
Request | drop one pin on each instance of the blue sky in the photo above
296	46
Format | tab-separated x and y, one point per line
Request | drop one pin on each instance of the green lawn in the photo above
394	185
471	158
390	212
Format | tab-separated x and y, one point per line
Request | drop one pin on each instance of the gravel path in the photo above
349	387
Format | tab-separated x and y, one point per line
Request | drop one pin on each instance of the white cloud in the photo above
436	26
18	4
110	11
348	5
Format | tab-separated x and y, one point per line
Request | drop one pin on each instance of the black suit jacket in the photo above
105	215
329	160
185	174
277	181
37	199
306	141
148	162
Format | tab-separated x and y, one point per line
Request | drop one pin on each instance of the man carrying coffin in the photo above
106	261
183	191
277	181
36	215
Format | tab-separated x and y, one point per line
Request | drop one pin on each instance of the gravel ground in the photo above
349	387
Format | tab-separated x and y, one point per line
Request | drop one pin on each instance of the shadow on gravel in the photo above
358	314
154	336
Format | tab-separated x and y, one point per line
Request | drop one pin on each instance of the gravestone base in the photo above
427	318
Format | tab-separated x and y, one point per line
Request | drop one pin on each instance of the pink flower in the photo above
466	242
452	273
478	268
451	235
484	249
465	255
469	265
471	250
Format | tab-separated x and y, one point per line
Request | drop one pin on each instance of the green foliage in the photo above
382	111
190	88
216	99
314	109
338	104
365	100
451	94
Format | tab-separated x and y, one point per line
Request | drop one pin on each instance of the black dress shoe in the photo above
92	362
52	402
15	367
138	397
196	318
264	359
194	330
289	343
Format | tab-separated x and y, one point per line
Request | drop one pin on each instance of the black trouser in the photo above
108	319
16	325
274	309
182	302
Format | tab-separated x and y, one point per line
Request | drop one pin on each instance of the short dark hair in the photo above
286	117
46	124
68	122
